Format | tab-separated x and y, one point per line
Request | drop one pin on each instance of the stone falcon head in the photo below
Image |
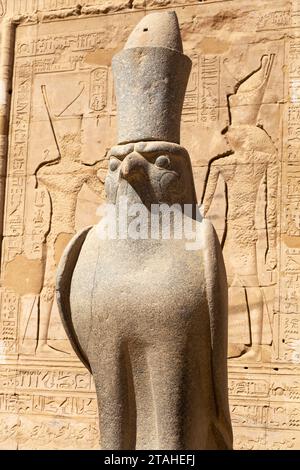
150	76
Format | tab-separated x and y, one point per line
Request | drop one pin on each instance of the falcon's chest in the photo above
125	279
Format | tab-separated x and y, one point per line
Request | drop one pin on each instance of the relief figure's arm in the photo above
271	214
209	188
95	184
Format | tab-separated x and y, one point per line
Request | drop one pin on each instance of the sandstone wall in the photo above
241	124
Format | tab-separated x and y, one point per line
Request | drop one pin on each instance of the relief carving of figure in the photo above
2	7
249	241
62	179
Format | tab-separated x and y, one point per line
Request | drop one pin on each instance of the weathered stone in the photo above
47	396
151	72
147	316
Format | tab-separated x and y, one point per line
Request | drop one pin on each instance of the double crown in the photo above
151	75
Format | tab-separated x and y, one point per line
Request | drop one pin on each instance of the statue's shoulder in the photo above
71	253
210	243
206	232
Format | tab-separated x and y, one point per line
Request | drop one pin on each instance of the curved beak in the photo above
133	166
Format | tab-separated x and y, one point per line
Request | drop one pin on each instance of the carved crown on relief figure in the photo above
247	100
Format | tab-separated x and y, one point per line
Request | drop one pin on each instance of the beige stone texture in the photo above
240	124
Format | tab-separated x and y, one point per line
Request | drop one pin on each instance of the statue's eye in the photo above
113	164
162	161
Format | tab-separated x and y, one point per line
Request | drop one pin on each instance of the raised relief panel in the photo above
62	125
49	433
274	440
274	416
278	387
246	170
9	322
274	19
2	7
240	121
190	105
288	330
289	350
25	379
57	150
98	89
48	405
59	98
249	170
209	86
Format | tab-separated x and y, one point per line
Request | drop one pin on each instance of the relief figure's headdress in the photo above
247	100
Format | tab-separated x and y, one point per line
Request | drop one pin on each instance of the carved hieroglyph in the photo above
241	125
